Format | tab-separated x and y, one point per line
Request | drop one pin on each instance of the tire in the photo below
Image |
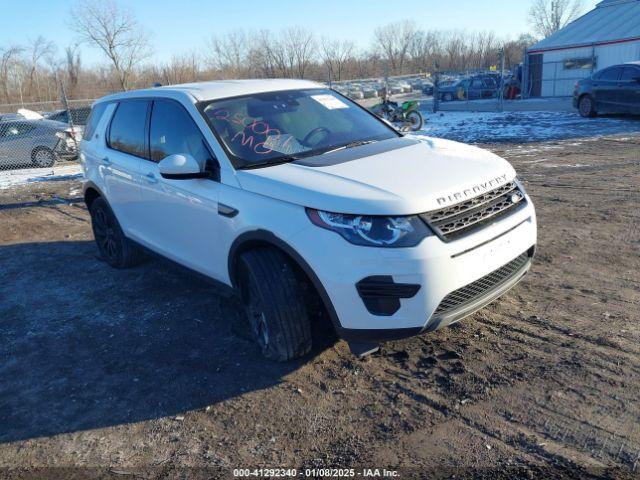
415	119
115	249
43	157
447	97
274	300
586	107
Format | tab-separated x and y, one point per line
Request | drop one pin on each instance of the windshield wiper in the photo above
357	143
301	155
271	163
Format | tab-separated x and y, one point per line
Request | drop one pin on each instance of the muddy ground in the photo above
137	371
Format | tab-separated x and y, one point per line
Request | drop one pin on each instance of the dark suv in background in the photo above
614	89
471	88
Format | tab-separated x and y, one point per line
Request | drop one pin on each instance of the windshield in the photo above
274	127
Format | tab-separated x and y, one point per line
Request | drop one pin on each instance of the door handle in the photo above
151	178
105	161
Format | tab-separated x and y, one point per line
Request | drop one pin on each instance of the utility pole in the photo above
501	91
436	81
555	14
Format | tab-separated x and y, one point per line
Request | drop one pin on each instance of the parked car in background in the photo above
406	88
340	88
379	87
36	142
427	88
355	93
369	92
473	88
394	89
614	89
449	90
78	115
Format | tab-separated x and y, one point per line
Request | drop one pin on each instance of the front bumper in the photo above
439	268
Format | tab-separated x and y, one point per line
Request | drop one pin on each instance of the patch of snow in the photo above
29	114
522	127
12	178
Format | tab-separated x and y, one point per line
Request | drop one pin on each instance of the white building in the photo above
607	35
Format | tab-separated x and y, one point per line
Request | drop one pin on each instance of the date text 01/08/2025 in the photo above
315	473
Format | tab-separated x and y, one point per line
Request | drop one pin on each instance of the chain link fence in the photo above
41	135
454	90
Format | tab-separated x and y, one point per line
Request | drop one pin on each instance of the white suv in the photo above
288	192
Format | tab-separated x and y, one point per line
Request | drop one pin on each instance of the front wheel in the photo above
275	304
447	97
415	120
586	107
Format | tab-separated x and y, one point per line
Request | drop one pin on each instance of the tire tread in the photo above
281	297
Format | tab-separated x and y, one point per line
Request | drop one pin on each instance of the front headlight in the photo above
371	231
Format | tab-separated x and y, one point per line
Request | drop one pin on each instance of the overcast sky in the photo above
177	26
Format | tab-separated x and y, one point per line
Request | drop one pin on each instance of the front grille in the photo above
469	293
458	220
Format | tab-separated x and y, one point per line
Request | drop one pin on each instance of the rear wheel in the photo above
275	304
43	157
586	107
415	120
115	249
447	97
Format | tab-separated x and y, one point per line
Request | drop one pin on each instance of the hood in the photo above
401	176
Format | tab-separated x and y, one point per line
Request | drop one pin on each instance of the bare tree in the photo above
300	48
39	49
397	48
114	31
394	41
9	57
549	16
514	49
336	54
229	53
270	55
424	49
181	69
72	66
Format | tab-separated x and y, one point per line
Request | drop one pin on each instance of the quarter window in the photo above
126	133
94	120
172	131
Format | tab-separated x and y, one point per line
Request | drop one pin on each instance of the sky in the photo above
178	26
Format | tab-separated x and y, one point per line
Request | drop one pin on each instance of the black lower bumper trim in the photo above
437	322
377	335
381	295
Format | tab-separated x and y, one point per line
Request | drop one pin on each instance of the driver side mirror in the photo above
181	166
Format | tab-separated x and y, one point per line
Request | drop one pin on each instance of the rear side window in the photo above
94	119
610	74
630	74
126	133
172	130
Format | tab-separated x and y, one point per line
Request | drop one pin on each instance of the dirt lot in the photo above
138	371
